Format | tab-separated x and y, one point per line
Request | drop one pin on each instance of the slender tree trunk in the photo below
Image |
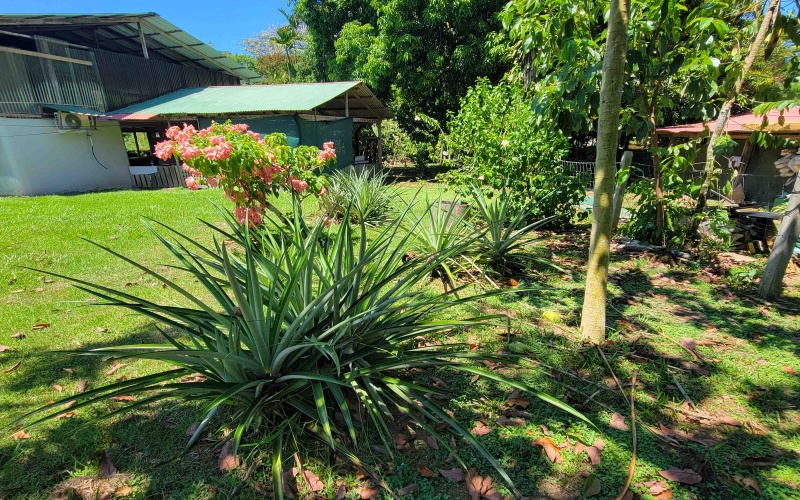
709	171
619	191
593	319
772	280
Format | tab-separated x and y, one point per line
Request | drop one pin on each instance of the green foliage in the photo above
499	142
500	246
363	197
740	278
299	326
398	148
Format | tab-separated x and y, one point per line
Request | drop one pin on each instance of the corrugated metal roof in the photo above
748	123
120	33
72	109
328	99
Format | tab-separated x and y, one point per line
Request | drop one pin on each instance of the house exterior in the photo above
750	168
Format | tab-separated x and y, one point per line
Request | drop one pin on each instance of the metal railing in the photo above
166	176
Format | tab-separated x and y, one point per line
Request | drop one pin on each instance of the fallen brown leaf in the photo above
788	369
510	422
426	472
5	348
455	475
123	398
579	448
685	476
368	492
432	442
192	429
68	414
123	491
57	387
763	462
313	481
106	468
728	421
439	382
40	326
549	447
481	487
69	370
116	367
748	481
340	493
480	429
594	454
17	436
19	335
411	488
81	386
618	422
14	368
227	461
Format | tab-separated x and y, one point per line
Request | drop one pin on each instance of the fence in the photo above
167	176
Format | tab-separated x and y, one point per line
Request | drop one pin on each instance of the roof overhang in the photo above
124	33
323	100
786	124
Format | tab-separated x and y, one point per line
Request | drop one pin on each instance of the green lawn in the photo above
745	357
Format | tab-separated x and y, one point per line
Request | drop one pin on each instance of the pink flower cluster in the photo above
298	185
327	153
192	183
220	150
250	215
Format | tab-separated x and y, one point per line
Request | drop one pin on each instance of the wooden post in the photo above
619	191
772	280
380	144
347	104
142	41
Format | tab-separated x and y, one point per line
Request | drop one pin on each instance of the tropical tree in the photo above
280	51
593	319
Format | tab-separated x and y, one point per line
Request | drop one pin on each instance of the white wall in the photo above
36	159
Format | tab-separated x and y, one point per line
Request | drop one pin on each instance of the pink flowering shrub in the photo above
250	169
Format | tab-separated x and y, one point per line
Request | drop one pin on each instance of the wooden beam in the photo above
781	254
44	56
142	40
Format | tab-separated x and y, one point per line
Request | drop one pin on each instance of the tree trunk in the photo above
781	254
593	318
709	171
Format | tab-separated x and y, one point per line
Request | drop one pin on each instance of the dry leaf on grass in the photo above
764	462
510	422
106	468
432	442
123	491
313	481
411	488
57	387
549	447
455	475
123	398
685	476
594	455
728	421
481	487
5	348
18	436
788	369
748	481
18	335
81	386
69	370
14	368
341	492
439	382
114	368
654	487
227	462
40	326
192	429
618	422
400	439
426	472
368	492
480	429
68	414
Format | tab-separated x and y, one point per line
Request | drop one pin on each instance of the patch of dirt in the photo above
90	488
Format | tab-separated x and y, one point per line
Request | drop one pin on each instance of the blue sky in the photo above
223	23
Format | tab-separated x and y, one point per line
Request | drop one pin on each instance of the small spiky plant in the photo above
304	324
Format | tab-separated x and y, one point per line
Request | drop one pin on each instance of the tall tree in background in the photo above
279	53
593	318
736	76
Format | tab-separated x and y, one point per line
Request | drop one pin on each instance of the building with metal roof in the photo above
84	98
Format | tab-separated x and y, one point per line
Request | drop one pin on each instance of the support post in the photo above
142	41
781	254
380	145
619	191
347	104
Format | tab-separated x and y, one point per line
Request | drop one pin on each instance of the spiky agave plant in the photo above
364	196
501	246
303	324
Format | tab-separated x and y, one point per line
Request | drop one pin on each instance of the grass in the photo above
745	349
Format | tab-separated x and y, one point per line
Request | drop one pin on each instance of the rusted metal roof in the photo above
788	124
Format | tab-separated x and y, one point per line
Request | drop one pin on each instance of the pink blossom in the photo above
327	221
170	132
188	150
323	191
327	145
327	153
192	171
254	135
204	132
220	152
297	184
192	183
189	129
213	182
241	127
165	150
217	140
247	215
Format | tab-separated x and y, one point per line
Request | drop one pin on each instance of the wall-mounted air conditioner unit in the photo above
66	122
